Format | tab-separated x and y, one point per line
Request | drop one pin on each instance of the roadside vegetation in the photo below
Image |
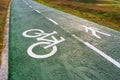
3	14
104	12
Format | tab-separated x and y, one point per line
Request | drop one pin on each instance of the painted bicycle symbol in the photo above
43	39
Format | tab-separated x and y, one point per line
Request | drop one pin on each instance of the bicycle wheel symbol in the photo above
37	33
32	54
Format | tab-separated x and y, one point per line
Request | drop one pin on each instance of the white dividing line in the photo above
52	21
30	6
37	11
103	54
77	38
110	59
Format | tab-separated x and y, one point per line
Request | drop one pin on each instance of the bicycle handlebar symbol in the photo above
41	36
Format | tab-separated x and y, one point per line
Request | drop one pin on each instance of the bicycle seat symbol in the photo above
41	36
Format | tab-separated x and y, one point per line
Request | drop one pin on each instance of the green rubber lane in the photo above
72	60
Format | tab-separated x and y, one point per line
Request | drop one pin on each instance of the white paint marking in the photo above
103	54
32	54
94	31
55	42
52	21
37	11
110	59
77	38
30	6
40	35
46	35
104	33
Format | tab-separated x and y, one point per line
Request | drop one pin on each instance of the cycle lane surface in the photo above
73	60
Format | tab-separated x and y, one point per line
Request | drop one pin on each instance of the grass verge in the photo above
3	14
106	13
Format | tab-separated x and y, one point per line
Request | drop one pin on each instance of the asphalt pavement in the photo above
48	44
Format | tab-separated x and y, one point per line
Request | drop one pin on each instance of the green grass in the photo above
103	12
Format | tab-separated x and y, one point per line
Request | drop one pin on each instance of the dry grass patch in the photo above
3	13
100	11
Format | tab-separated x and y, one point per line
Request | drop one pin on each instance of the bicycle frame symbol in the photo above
41	36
